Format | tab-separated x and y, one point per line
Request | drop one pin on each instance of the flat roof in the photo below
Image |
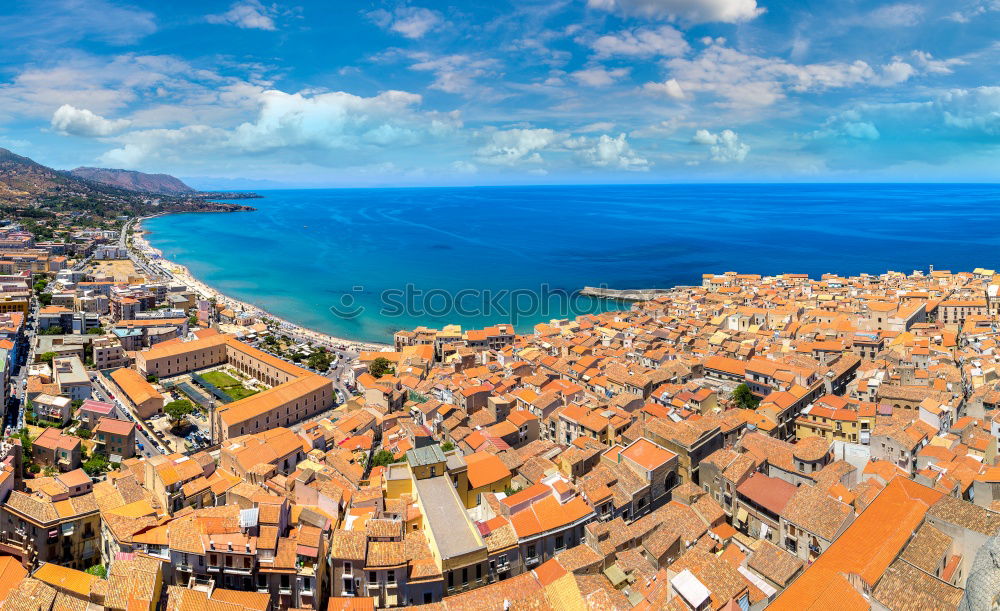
445	514
427	455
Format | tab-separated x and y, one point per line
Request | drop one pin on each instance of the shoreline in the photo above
182	274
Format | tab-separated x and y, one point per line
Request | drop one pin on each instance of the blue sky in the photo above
353	93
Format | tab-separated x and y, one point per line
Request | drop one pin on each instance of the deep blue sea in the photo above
362	263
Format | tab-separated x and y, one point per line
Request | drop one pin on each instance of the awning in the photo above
742	515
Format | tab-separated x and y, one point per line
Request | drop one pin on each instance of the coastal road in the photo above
346	353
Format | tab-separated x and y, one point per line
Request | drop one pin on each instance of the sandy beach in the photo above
181	274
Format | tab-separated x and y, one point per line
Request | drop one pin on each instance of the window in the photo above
531	551
372	577
348	568
560	542
391	577
465	575
479	572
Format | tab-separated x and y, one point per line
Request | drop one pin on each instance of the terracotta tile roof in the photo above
485	469
770	493
134	385
866	548
775	563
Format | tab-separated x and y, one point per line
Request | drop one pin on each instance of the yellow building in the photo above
483	473
835	419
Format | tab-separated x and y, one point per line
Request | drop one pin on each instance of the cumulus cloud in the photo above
744	80
159	89
334	126
409	21
516	146
930	65
247	15
642	42
613	153
724	146
533	146
598	76
74	121
953	124
692	11
670	88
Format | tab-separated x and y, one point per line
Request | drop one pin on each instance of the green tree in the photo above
193	321
98	330
178	409
53	330
45	299
382	458
25	438
380	367
744	398
83	433
320	360
98	570
46	357
96	464
447	446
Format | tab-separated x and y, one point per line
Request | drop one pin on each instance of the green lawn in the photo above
220	379
228	384
238	392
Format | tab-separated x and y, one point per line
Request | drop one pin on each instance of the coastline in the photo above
182	274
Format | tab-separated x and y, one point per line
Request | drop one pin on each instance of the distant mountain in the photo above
163	184
23	180
30	188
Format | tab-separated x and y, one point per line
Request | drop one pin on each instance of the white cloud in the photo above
161	89
325	128
693	11
464	167
642	42
409	21
725	146
56	23
956	115
516	146
247	15
600	126
975	10
599	76
454	73
894	16
746	81
670	88
935	66
614	153
81	122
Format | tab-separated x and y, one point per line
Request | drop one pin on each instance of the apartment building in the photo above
114	438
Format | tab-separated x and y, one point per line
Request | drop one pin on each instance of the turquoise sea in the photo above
362	263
